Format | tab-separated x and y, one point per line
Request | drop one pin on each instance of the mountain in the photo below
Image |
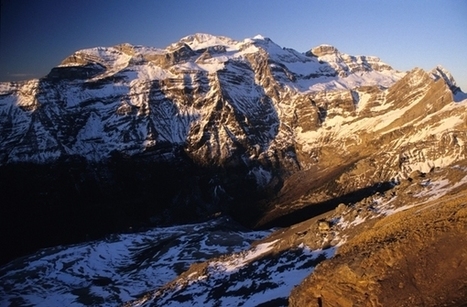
328	146
198	93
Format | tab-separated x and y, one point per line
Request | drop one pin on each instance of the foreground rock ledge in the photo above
416	257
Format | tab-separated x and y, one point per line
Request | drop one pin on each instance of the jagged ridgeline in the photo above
132	136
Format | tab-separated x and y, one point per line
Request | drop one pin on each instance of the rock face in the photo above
214	97
133	136
224	102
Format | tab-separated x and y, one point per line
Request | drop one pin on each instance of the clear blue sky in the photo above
36	35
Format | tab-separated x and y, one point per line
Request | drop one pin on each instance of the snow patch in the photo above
241	260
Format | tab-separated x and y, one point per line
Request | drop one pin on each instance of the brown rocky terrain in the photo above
416	257
402	246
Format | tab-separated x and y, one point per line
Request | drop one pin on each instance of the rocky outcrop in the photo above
345	64
323	50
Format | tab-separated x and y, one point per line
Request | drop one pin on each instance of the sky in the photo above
36	35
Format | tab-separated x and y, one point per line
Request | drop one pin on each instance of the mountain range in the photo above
271	162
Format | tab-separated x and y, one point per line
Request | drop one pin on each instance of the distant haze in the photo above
37	35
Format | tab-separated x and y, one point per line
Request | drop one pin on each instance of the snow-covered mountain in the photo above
211	96
204	93
133	136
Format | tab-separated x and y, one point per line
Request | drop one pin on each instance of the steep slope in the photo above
415	257
380	137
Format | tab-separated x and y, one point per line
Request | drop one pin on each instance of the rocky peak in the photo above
344	64
126	48
439	72
322	50
203	40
